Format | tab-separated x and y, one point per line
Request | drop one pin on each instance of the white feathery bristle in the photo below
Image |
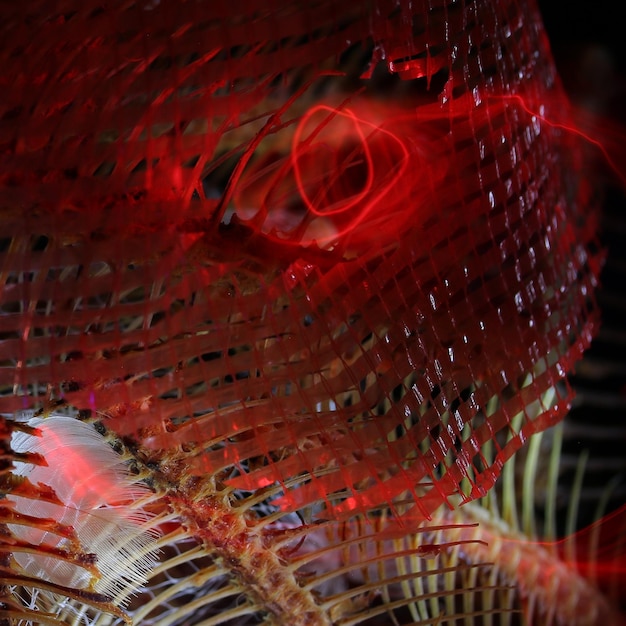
99	497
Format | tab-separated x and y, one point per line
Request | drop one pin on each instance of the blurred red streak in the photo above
597	552
607	136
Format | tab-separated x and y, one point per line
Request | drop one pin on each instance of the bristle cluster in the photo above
98	502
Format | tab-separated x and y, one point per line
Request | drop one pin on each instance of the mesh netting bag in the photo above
309	265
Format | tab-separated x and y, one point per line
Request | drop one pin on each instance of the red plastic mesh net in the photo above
333	246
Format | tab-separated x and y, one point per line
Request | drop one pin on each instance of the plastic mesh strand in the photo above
332	248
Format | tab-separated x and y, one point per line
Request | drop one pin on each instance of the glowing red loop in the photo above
300	146
385	157
348	173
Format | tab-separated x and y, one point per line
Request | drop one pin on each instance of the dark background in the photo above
588	40
580	22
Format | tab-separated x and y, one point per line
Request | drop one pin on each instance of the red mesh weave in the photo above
338	247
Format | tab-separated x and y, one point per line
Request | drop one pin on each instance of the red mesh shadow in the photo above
340	248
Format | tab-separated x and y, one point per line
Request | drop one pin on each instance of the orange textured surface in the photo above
337	249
